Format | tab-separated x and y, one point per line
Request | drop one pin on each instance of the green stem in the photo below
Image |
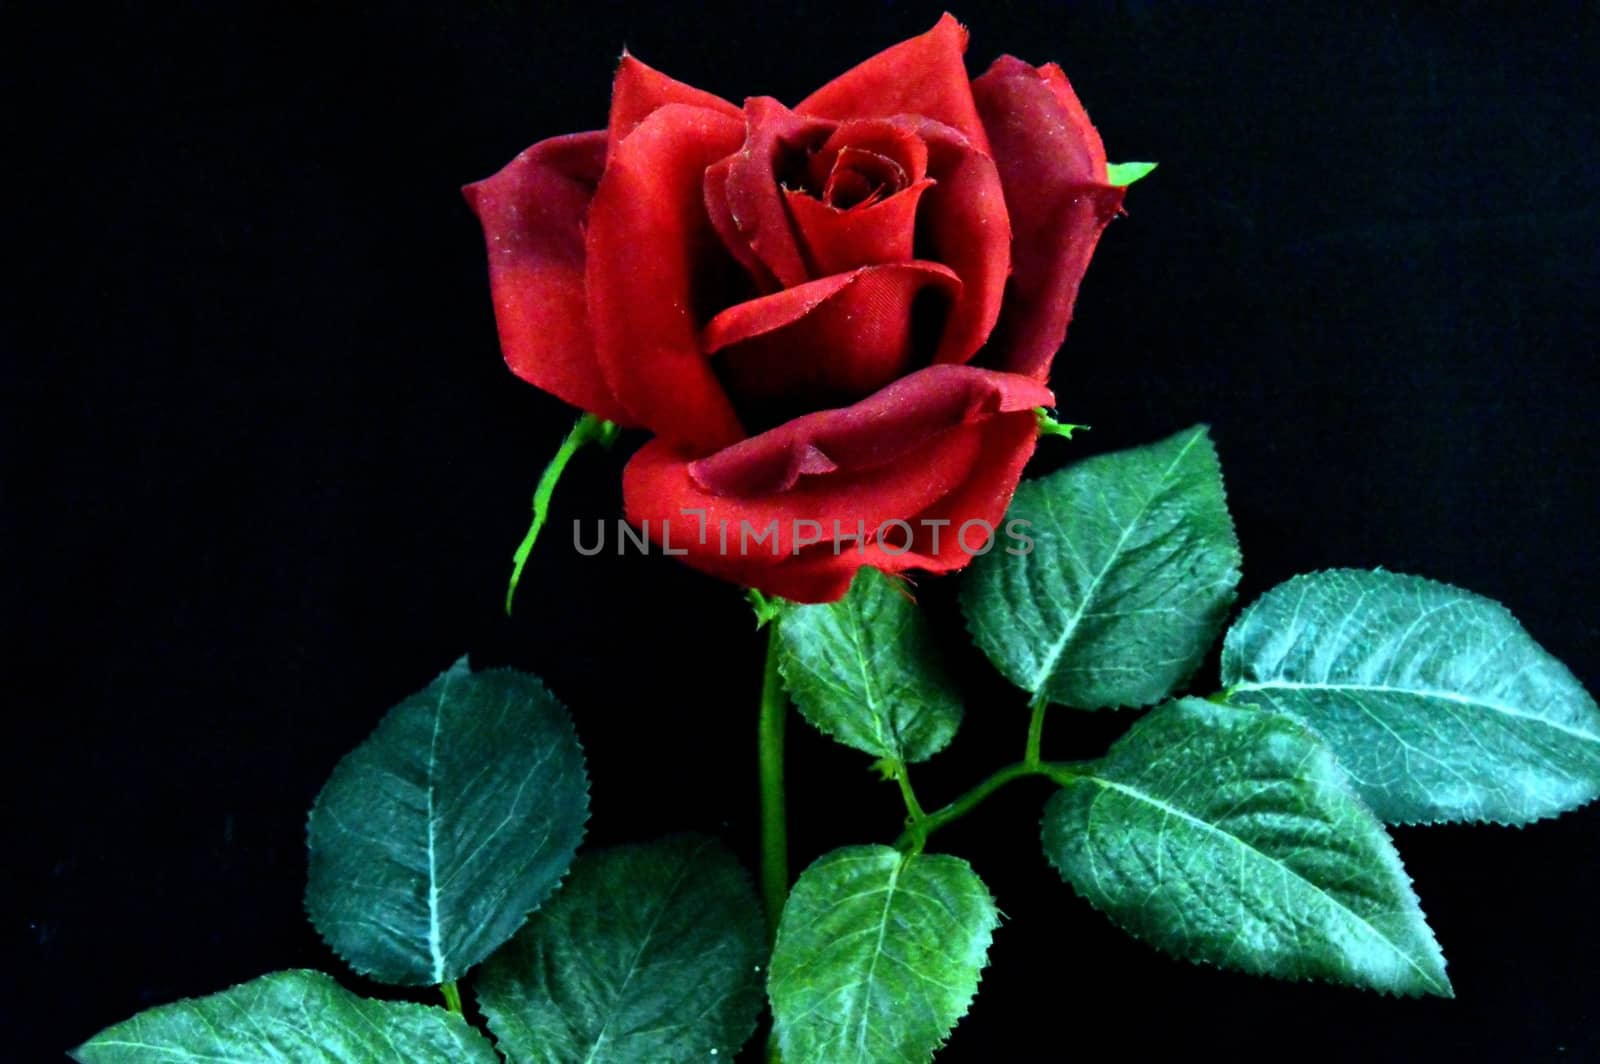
919	830
452	996
911	841
774	824
902	776
1030	754
589	429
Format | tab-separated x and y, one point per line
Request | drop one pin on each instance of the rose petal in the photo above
653	266
826	341
658	486
754	203
876	431
860	178
923	76
1008	443
715	191
1090	165
821	574
532	213
839	240
967	472
1052	167
899	147
963	222
638	91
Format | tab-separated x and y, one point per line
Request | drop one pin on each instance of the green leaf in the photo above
296	1017
434	839
1437	702
1127	173
878	956
648	955
866	671
1133	567
1232	837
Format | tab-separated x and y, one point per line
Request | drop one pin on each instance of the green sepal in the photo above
1124	174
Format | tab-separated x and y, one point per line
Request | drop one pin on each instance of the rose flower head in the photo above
835	319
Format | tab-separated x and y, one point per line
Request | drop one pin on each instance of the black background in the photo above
264	467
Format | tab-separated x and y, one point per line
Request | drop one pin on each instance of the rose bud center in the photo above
860	177
862	163
858	309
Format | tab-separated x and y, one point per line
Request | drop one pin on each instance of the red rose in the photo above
835	319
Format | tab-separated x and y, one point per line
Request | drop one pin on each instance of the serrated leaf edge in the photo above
787	658
1201	430
583	827
1409	885
983	965
494	1017
449	1017
1239	685
1418	822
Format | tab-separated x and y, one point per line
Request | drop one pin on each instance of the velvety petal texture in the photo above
835	319
533	214
964	223
651	256
638	91
1053	170
829	340
754	204
924	447
923	76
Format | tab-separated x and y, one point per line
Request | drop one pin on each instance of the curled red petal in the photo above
654	264
963	222
1052	168
827	341
839	240
925	75
754	200
639	90
715	190
874	432
932	509
899	150
533	213
747	536
1091	164
944	538
839	229
1008	443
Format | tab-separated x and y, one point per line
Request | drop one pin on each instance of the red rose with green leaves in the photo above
836	319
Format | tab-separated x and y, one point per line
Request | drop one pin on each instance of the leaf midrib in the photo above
644	943
1452	697
868	687
1047	669
877	950
1165	807
435	951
